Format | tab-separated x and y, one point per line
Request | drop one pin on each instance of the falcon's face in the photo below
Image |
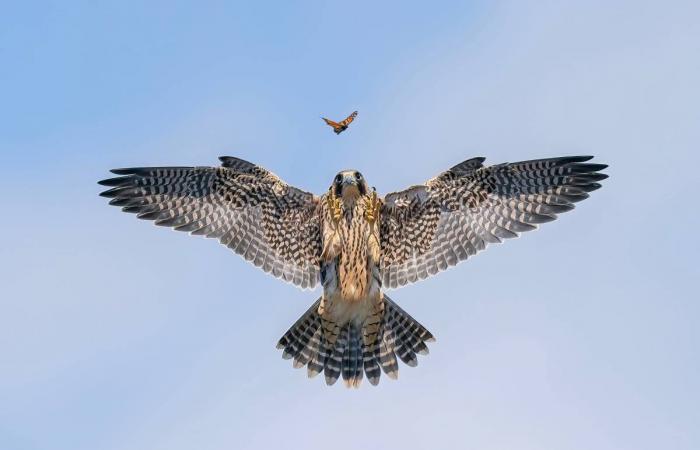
349	185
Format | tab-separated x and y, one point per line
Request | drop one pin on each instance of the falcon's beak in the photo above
349	179
351	188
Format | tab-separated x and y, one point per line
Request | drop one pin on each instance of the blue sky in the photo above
117	335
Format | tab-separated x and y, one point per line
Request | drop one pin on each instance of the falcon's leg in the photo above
372	207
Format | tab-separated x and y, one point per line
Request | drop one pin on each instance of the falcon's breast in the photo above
350	259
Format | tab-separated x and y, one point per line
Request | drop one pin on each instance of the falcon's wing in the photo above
249	209
428	228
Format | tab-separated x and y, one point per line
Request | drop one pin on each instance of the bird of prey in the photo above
355	243
339	127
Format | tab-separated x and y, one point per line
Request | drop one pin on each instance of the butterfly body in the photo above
339	127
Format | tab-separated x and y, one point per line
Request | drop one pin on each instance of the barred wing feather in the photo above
247	208
428	228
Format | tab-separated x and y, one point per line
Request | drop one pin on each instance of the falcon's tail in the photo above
398	334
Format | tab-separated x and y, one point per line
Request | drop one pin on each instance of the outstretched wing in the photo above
348	119
428	228
249	209
331	123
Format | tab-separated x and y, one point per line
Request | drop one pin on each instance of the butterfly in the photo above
339	127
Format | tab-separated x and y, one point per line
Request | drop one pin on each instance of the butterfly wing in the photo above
348	119
331	123
343	125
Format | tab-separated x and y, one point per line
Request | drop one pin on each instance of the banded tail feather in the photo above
302	337
351	356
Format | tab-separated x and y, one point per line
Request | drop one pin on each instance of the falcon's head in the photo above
349	185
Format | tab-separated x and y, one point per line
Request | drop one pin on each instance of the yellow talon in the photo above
335	206
372	205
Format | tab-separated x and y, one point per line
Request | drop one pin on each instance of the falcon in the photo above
353	242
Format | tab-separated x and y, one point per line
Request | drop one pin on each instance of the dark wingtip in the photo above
124	171
591	167
121	201
563	160
591	187
579	158
109	193
117	181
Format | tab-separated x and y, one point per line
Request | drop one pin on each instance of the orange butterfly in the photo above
342	126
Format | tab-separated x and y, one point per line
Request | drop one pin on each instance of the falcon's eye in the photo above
338	178
358	176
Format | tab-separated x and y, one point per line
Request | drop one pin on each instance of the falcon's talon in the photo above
335	205
372	206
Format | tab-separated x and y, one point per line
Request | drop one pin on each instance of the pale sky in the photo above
118	335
